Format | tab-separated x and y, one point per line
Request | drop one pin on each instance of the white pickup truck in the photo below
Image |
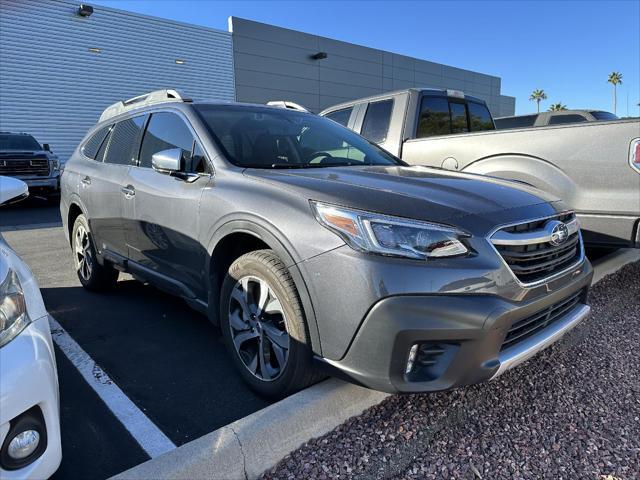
593	166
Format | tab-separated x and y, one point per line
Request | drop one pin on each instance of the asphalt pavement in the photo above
168	359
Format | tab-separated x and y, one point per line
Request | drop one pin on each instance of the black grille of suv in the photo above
24	165
526	327
535	261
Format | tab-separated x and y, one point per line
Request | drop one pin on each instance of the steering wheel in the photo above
315	155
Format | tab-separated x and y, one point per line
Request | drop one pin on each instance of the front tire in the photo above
91	274
264	327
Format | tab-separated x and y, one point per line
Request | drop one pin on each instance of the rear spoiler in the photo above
287	104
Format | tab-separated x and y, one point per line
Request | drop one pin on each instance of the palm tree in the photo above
615	79
538	96
557	107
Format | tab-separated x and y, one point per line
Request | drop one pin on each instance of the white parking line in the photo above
143	430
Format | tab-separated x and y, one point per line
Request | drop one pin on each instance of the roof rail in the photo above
151	98
287	104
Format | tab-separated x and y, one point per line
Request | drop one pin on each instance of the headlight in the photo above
13	310
55	163
371	232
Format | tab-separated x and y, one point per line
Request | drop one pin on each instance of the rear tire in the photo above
264	327
92	275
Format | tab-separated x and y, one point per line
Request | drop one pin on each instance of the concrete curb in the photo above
252	445
614	262
247	447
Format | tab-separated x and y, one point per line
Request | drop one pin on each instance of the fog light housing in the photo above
23	444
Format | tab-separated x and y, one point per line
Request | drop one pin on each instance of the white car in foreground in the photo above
29	400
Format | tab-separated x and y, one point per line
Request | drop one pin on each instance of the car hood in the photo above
415	192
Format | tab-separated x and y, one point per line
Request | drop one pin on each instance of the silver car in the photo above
318	252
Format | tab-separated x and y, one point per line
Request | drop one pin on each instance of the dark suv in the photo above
318	252
21	156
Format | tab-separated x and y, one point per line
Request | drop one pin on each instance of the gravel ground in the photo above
573	412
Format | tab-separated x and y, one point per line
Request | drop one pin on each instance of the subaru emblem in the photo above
559	233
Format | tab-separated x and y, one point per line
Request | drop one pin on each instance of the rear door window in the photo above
563	119
340	116
434	117
124	141
376	121
166	131
479	117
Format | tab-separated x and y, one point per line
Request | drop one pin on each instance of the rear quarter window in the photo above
479	117
91	146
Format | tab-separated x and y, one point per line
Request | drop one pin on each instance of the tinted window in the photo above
124	141
479	117
604	116
92	146
458	118
562	119
376	121
256	137
340	116
434	117
103	147
10	141
521	121
198	160
166	131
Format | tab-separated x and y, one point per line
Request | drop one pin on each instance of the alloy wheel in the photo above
82	249
258	328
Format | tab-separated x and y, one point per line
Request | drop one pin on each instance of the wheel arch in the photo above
237	237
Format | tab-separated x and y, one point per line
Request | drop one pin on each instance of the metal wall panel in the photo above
54	87
350	71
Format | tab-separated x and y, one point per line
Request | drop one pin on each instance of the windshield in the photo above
604	116
10	141
256	137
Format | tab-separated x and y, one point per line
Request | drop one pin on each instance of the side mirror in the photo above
12	190
46	147
167	161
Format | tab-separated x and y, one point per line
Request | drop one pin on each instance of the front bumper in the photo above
469	330
28	379
40	184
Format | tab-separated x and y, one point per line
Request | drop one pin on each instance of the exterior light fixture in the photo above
179	62
94	50
319	56
85	10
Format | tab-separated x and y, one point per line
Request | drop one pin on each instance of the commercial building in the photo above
60	67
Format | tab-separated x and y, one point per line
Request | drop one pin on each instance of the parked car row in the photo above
593	166
322	244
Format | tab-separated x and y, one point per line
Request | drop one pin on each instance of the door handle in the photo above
128	191
86	180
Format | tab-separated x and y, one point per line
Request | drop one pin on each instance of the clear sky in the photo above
567	48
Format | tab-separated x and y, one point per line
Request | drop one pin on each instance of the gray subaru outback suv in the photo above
316	252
